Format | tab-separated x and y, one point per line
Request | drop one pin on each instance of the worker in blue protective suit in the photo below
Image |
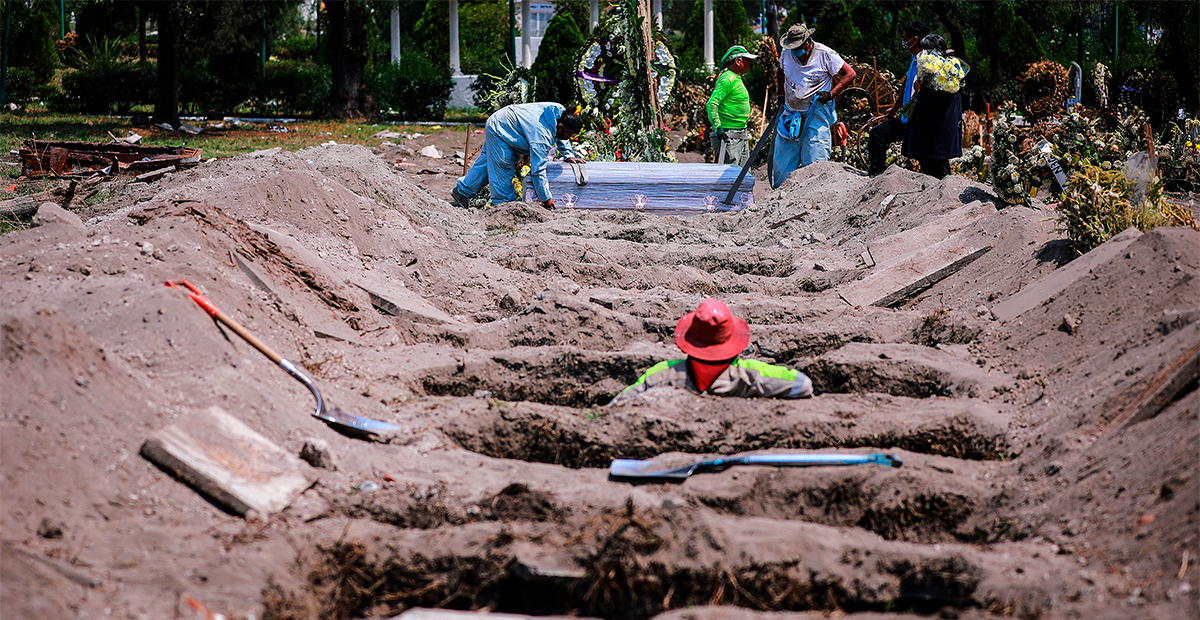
810	76
532	129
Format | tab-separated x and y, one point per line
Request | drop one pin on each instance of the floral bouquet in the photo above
944	73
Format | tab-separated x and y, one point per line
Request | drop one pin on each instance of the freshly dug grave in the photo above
1050	456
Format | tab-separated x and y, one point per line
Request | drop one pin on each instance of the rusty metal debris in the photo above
44	158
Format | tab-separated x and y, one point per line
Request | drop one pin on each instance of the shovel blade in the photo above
631	468
355	424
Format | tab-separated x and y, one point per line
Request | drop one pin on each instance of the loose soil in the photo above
1048	473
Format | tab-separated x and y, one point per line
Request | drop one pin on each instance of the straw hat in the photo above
734	53
796	36
712	333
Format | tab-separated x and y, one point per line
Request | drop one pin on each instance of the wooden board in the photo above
229	463
400	302
1059	279
424	613
915	270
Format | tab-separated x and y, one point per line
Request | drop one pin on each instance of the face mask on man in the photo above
799	53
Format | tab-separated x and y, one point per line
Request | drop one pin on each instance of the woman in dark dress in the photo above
935	124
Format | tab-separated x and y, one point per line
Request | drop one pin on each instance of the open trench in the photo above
917	539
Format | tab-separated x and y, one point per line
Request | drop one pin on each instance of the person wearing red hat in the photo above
713	338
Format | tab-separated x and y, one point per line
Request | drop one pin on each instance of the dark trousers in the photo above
936	168
882	135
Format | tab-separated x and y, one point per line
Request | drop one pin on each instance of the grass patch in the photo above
219	139
9	223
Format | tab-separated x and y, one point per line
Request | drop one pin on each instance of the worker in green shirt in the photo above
729	108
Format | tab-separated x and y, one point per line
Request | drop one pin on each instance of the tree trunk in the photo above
141	13
947	12
1178	50
773	21
170	26
348	59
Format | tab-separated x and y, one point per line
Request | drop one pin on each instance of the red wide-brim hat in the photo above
712	333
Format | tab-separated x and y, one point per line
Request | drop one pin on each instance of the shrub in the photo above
292	87
104	88
297	48
23	87
31	44
414	89
1097	205
482	29
554	67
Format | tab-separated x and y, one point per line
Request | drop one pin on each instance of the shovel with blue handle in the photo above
628	469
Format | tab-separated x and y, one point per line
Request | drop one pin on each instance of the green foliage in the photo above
730	27
102	89
23	87
221	52
1097	205
104	80
555	64
201	89
292	87
105	19
1020	45
482	29
297	47
415	89
31	45
515	85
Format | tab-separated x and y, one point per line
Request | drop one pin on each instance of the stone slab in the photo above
229	463
1049	286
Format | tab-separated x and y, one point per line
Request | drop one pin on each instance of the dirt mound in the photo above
1049	451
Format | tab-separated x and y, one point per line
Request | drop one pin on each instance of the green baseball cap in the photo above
734	53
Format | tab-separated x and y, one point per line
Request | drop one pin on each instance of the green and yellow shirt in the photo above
729	105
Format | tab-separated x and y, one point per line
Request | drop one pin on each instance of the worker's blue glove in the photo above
719	132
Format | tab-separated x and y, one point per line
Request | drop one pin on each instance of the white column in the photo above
708	35
526	37
455	63
657	12
595	14
395	33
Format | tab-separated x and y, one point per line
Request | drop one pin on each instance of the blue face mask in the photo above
799	53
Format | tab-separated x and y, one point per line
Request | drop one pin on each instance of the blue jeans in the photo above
814	145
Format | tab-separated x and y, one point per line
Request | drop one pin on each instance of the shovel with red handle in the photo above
338	419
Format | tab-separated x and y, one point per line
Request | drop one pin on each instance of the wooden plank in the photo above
910	292
1059	279
21	205
403	303
229	463
891	247
912	270
425	613
1163	389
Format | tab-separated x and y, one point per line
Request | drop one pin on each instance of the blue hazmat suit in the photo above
524	128
792	150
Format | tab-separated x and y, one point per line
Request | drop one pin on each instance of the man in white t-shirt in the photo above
810	76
